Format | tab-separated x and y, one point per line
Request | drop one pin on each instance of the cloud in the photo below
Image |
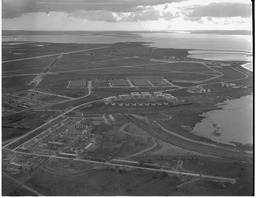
221	10
168	15
17	8
146	14
192	18
108	16
94	15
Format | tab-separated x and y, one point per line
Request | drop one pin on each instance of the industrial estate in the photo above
117	119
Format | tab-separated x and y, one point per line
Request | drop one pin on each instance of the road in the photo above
213	83
187	139
49	55
45	71
50	104
145	150
97	68
22	185
165	136
52	94
59	116
88	94
217	178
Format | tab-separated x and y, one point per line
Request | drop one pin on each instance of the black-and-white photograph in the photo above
127	98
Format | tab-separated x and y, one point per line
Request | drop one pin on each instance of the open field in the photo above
182	67
230	74
119	182
16	83
77	84
140	82
119	83
30	66
39	49
190	145
160	82
20	123
30	135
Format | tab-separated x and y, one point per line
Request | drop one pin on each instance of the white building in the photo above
124	96
146	95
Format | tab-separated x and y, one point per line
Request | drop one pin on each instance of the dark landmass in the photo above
228	32
121	33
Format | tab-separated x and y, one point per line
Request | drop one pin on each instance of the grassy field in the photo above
77	84
8	185
20	191
105	182
140	82
36	122
182	67
16	83
158	133
229	74
28	66
114	144
119	83
39	49
118	182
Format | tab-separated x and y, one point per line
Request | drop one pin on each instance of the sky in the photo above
148	15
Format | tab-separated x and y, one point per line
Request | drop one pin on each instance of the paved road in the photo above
22	184
27	134
217	178
187	139
88	94
45	71
49	55
146	149
165	136
52	94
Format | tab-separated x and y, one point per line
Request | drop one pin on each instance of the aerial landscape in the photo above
94	103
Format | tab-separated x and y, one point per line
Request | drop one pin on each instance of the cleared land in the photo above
160	82
190	145
77	83
140	82
183	67
119	83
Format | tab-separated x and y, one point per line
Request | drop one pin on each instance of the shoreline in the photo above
143	44
250	68
212	123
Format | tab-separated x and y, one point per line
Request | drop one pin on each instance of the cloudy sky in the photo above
126	14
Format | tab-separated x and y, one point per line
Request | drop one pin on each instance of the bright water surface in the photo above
233	122
159	40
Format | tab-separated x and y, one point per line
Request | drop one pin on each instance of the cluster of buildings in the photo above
231	85
140	99
198	89
15	168
13	104
64	138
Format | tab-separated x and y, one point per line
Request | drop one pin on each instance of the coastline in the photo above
248	66
216	107
214	123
